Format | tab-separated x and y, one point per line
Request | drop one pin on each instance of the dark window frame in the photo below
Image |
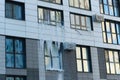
13	3
14	53
61	2
79	5
14	76
102	4
80	26
106	53
104	32
88	59
50	9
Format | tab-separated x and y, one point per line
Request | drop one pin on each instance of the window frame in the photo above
101	2
61	2
79	5
49	20
88	59
51	58
13	3
80	25
106	51
14	76
105	33
14	53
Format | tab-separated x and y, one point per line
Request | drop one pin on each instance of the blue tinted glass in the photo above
118	39
17	12
105	1
9	60
8	10
19	59
18	46
9	45
106	9
116	10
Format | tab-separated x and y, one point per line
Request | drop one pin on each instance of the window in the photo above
83	59
15	78
54	1
80	21
111	32
15	53
53	54
112	61
14	10
50	16
110	7
83	4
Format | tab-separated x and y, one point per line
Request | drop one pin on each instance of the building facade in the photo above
59	40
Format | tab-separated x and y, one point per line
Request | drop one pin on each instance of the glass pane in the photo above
118	39
46	15
101	8
79	65
78	53
71	2
84	53
58	1
105	1
112	68
110	2
111	10
58	17
40	11
110	56
56	63
9	45
48	62
106	56
72	19
52	15
19	46
117	68
104	37
113	28
76	3
116	11
8	9
88	22
116	57
103	27
85	64
108	67
107	27
106	9
17	12
46	50
9	78
77	20
114	38
54	51
19	59
17	78
9	60
82	5
118	28
87	4
83	20
109	38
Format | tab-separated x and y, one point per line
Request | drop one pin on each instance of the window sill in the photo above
56	70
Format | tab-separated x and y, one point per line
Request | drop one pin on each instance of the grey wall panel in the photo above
102	64
69	65
16	72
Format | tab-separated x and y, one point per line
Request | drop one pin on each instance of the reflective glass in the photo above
71	2
116	57
84	53
19	59
48	62
76	3
105	1
8	9
83	20
40	13
9	45
117	68
104	37
17	12
106	9
9	60
85	64
112	68
107	26
78	53
88	22
108	67
79	65
9	78
113	28
109	39
87	4
114	38
111	56
111	10
19	46
110	2
56	63
82	4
